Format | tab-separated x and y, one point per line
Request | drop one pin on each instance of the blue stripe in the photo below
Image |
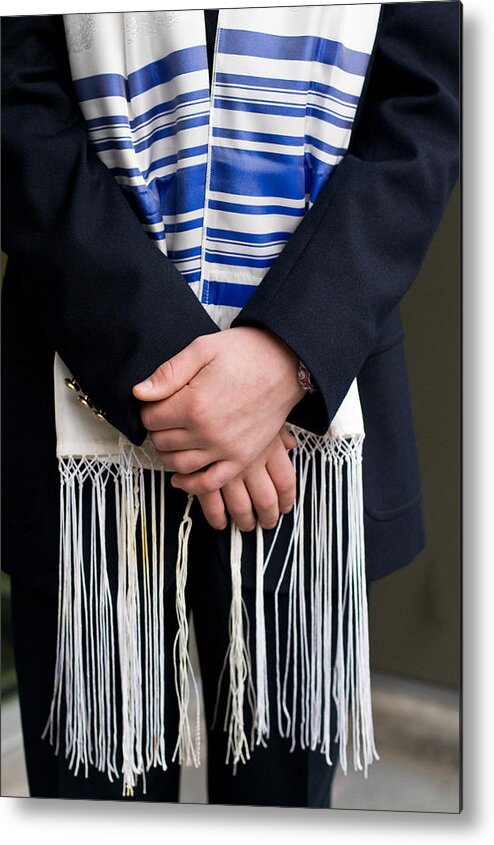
259	108
240	260
191	276
330	117
182	191
190	152
305	48
157	236
185	226
260	137
168	108
111	145
247	237
227	293
188	60
176	193
178	126
145	203
319	172
240	79
112	120
334	93
223	90
268	84
326	148
201	95
284	111
289	140
240	208
126	171
150	137
256	173
180	254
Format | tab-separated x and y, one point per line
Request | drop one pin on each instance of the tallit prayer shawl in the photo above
219	182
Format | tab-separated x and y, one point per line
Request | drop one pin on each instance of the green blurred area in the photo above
415	612
8	671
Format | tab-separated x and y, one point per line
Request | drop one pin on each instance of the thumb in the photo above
173	374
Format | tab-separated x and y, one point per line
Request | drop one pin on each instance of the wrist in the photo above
292	363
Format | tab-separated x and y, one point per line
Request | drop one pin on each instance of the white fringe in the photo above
261	722
329	507
85	677
323	467
188	747
308	684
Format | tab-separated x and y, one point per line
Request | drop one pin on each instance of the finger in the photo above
264	497
239	505
174	440
214	509
288	439
175	373
185	462
218	474
280	469
165	414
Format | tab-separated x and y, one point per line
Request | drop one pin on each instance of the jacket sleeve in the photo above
108	301
362	243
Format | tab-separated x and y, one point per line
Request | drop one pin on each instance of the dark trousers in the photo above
274	776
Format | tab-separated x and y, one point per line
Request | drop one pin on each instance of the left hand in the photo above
218	404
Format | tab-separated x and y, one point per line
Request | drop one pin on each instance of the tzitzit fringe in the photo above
105	640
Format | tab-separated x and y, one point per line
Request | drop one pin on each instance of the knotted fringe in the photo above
85	687
261	721
187	749
322	662
313	673
324	674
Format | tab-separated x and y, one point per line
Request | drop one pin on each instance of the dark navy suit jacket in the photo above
84	279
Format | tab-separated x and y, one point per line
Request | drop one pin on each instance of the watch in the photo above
304	378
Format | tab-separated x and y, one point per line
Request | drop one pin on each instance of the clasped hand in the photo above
216	412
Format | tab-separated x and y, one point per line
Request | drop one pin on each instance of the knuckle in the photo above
198	409
165	371
157	440
216	518
287	488
204	484
241	514
214	511
146	417
179	463
198	343
243	517
217	523
246	524
266	504
202	343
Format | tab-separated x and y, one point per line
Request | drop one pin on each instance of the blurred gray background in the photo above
415	613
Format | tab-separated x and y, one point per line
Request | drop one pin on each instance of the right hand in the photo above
263	490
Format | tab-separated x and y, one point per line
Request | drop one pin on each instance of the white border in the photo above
70	822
